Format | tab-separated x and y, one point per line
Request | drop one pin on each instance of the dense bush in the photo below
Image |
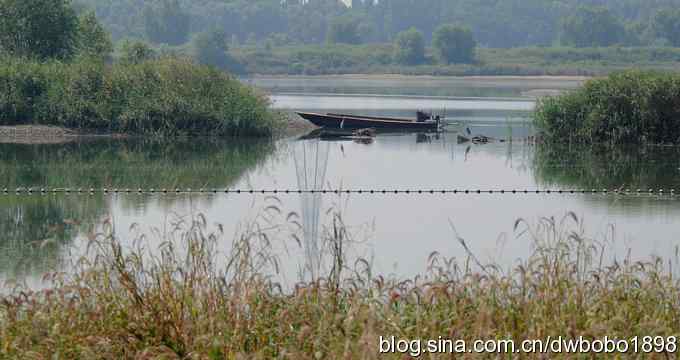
409	47
454	44
162	97
38	28
627	107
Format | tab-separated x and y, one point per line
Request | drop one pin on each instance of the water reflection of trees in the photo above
35	228
607	167
133	163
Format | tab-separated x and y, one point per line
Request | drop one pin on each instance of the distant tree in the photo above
38	28
343	30
279	39
93	39
409	47
637	34
454	44
252	39
666	25
210	48
135	52
166	22
591	27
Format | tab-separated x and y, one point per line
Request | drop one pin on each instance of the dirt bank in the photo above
42	134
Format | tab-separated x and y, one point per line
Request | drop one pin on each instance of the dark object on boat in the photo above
478	139
481	139
344	121
370	132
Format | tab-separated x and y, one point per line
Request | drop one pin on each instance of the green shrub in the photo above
626	107
409	47
162	97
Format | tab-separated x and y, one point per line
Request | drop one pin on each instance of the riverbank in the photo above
529	61
39	134
125	305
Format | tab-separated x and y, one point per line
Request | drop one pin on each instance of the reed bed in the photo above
630	107
180	304
168	96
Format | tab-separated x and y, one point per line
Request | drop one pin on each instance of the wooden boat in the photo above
344	121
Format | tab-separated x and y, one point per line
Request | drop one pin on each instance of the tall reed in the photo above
178	303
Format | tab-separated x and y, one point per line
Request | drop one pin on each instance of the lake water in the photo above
395	233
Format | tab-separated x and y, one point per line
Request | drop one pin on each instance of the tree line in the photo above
493	23
205	30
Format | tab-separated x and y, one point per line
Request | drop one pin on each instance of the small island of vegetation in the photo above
631	107
65	77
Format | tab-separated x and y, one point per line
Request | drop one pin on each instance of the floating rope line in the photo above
34	191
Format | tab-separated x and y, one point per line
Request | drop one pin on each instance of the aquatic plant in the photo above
626	107
168	96
180	303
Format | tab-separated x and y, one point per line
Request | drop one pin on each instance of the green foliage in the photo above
93	40
210	48
315	60
454	44
507	23
164	97
379	59
666	24
344	30
39	29
409	47
135	52
165	21
591	26
626	107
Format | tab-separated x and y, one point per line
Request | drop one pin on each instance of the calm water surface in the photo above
396	233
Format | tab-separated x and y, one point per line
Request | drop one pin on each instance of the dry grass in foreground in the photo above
179	305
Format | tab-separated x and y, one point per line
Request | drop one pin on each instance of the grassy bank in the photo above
181	304
378	59
626	107
160	97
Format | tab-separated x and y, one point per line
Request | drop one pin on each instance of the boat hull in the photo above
337	121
